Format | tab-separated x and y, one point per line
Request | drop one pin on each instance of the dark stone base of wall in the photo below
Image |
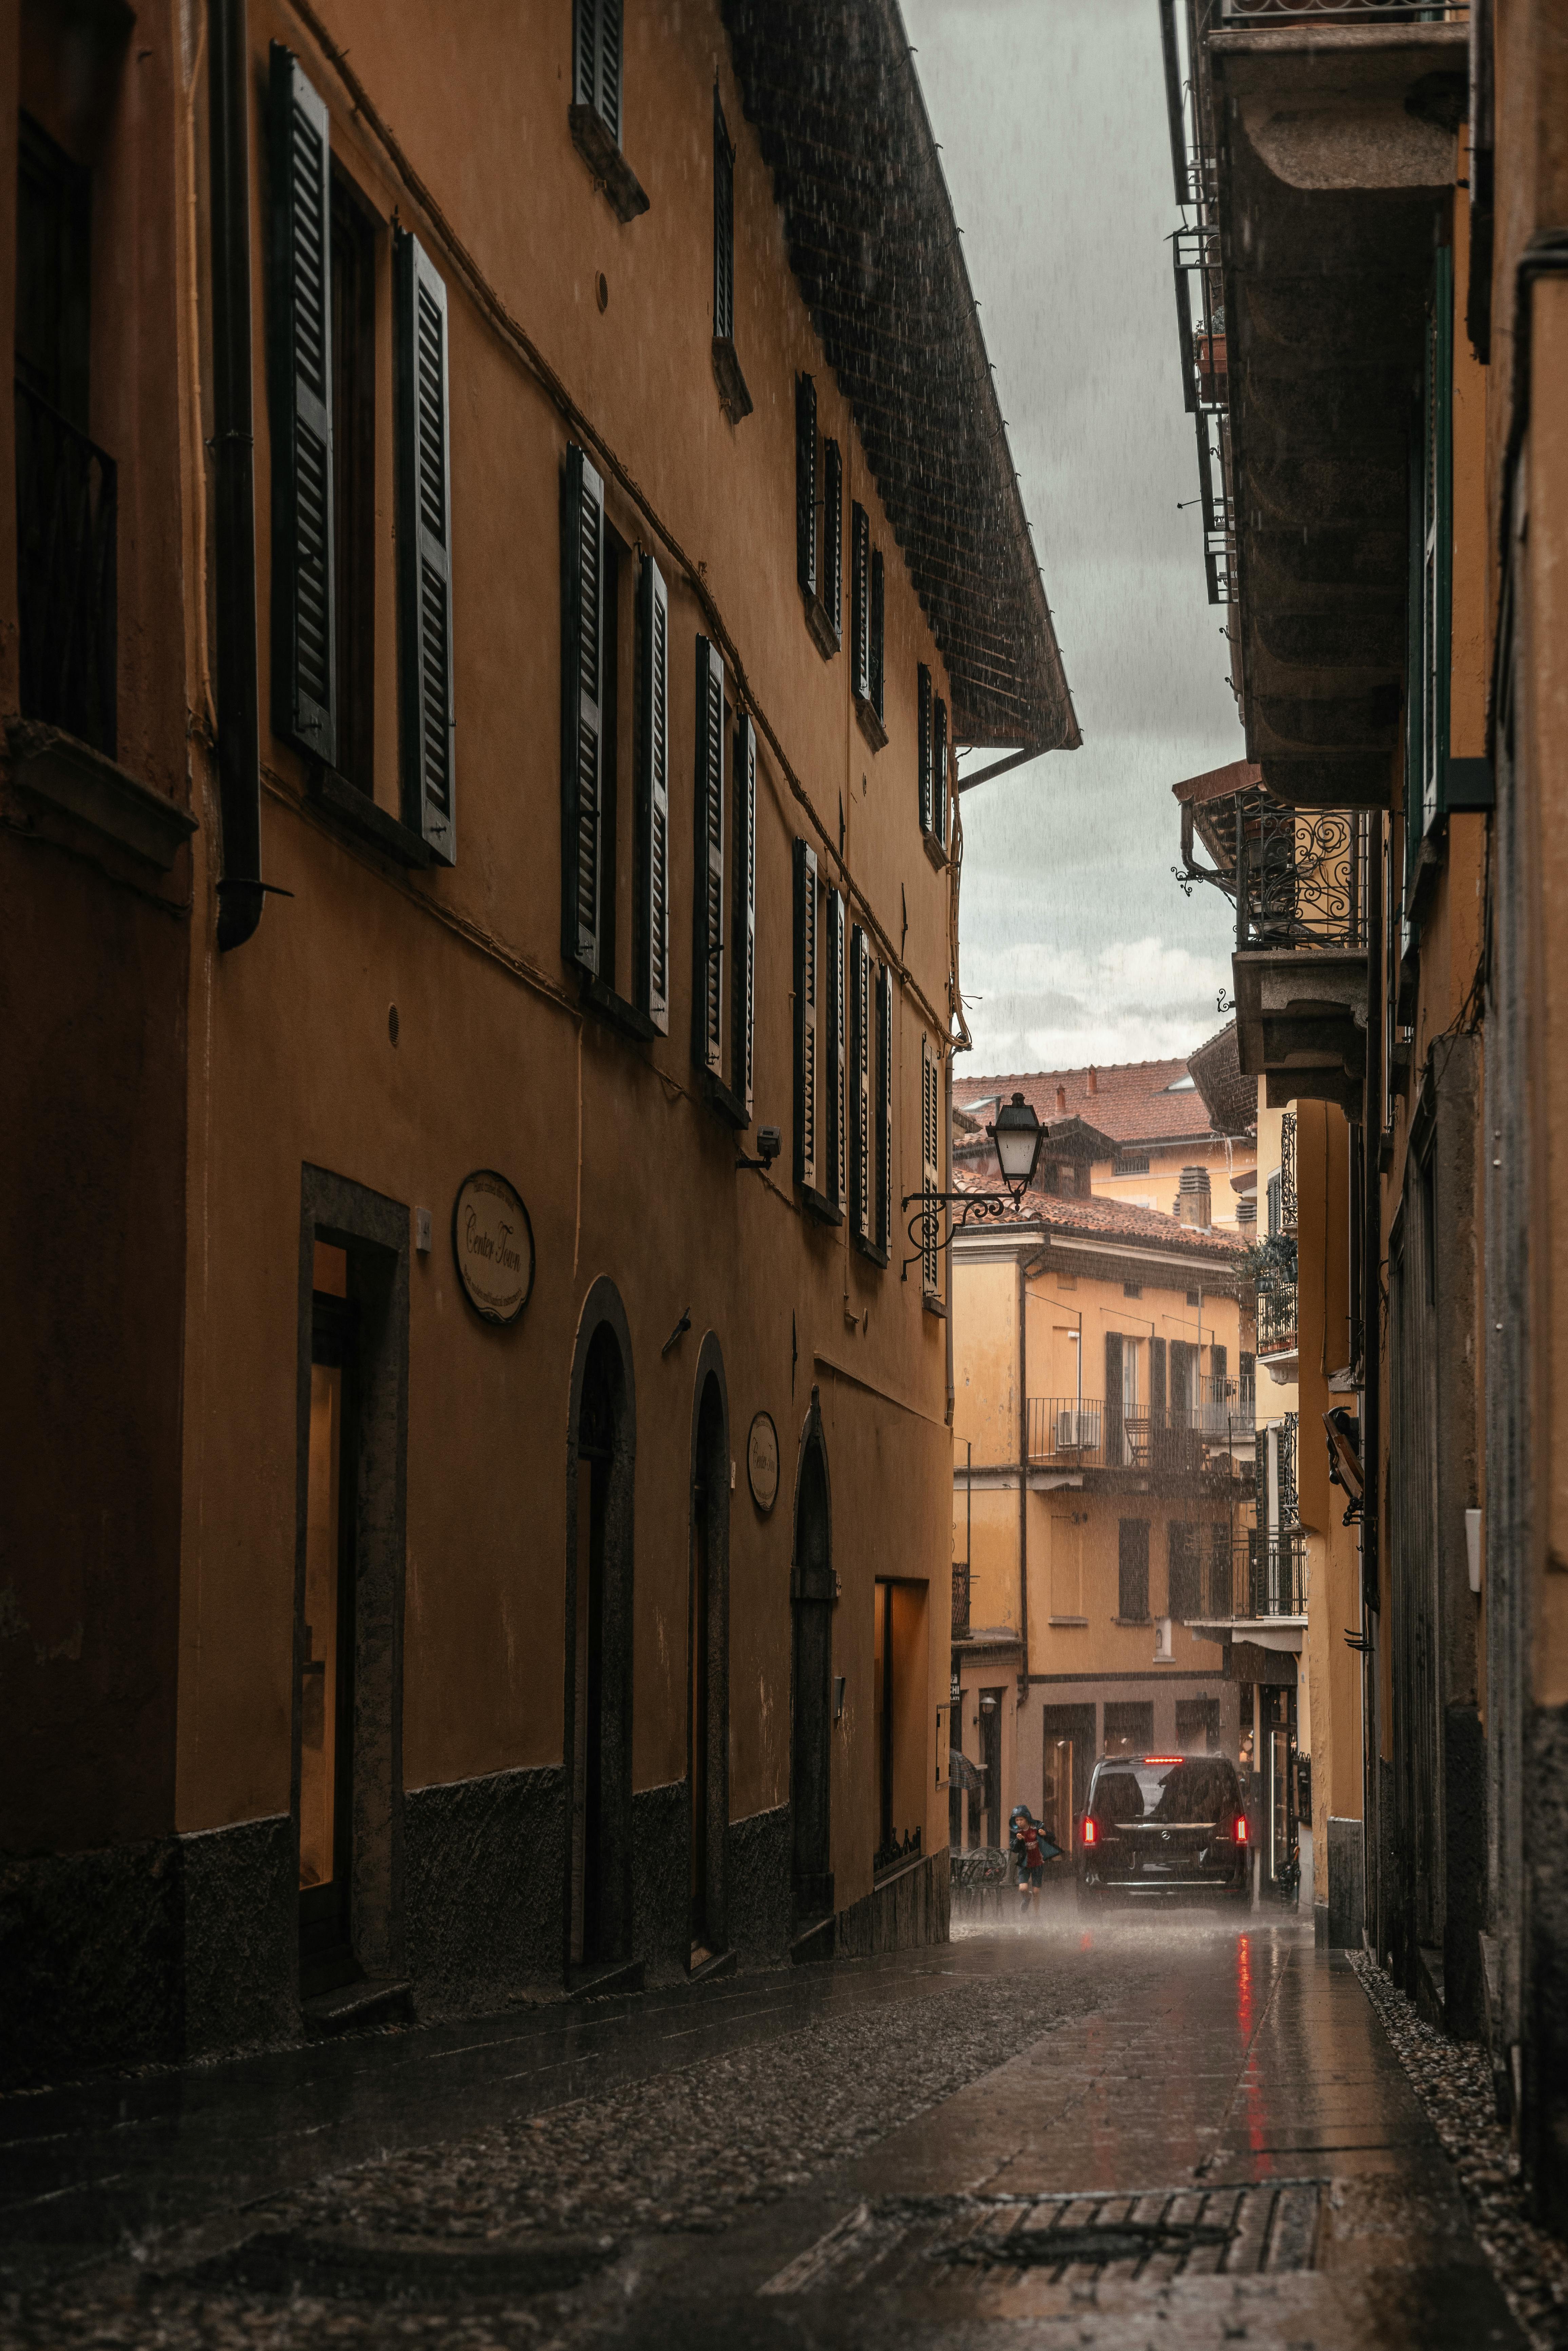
484	1889
757	1874
912	1907
1347	1897
147	1953
661	1880
1544	2057
90	1960
241	1936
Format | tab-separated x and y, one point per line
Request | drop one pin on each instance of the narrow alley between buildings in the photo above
1193	2130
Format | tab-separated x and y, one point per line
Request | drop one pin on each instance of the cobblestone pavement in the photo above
1188	2131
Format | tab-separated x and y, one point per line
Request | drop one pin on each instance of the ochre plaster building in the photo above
488	616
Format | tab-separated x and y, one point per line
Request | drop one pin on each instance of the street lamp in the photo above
1016	1138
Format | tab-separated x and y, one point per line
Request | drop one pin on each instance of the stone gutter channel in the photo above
1453	2081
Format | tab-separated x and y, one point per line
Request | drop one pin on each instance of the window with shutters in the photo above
422	508
1132	1572
710	827
886	1167
1183	1589
819	981
726	369
861	1091
866	628
615	791
356	236
594	114
818	522
835	1058
930	1173
304	595
936	840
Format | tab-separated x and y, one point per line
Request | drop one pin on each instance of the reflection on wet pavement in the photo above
1180	2129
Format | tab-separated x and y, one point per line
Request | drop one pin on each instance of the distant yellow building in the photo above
1102	1429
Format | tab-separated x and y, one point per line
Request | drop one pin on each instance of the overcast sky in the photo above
1076	944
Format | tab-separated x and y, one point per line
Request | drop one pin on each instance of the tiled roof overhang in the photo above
1336	147
831	89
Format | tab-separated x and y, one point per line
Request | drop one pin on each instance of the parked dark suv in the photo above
1170	1826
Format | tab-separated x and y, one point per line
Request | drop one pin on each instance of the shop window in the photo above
326	1706
1129	1725
1198	1726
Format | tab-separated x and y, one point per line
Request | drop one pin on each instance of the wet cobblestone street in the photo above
1183	2131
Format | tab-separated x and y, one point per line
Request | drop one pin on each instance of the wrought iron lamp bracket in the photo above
925	1227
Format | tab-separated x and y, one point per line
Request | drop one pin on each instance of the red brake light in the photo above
1091	1830
1240	1828
1163	1758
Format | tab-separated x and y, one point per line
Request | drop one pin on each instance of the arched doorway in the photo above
707	1654
811	1666
601	1452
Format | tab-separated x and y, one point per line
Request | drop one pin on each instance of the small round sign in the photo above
762	1462
493	1243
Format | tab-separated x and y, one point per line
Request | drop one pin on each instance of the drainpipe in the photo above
241	888
1023	1471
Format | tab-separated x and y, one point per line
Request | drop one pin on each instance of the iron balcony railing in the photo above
1085	1432
1277	1319
1288	1172
66	560
960	1598
1300	878
1263	12
1275	1564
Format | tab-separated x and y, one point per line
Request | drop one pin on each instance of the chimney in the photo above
1062	1101
1246	1210
1093	1081
1192	1206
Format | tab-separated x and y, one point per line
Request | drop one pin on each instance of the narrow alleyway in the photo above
1187	2130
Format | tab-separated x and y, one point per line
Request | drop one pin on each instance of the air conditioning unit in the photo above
1163	1653
1077	1428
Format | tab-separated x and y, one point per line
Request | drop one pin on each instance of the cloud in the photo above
1035	1007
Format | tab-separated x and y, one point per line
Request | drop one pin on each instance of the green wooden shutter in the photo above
939	775
653	797
861	1145
805	1015
707	876
832	576
1158	1381
596	61
303	601
425	551
806	483
836	1056
931	1164
923	739
743	930
877	701
582	710
1113	1447
860	602
885	1159
723	227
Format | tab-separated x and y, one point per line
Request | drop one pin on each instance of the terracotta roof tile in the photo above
1132	1102
1103	1220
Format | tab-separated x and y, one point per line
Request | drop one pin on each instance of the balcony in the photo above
1288	1172
66	574
1072	1434
1254	1590
1298	879
1277	1341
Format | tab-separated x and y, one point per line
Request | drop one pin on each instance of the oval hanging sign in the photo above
762	1462
493	1242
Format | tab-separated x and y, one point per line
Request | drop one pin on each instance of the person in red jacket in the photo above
1034	1850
